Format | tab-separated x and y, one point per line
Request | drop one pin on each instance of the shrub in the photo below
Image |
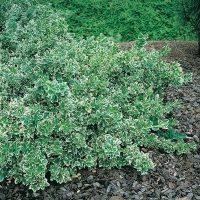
68	104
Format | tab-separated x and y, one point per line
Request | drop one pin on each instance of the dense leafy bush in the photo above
7	4
128	18
67	104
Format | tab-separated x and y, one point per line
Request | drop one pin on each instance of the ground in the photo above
174	177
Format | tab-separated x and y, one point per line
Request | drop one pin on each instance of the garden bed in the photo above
174	177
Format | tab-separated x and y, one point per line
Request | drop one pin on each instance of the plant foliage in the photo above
172	135
68	103
190	12
124	20
129	18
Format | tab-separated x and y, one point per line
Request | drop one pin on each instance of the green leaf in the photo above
65	126
150	91
3	173
172	135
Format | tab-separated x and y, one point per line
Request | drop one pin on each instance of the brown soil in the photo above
179	49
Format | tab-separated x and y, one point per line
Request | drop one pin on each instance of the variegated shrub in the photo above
68	104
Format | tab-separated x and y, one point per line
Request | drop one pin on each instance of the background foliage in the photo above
124	20
190	13
158	19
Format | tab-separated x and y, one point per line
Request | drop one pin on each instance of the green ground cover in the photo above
125	19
